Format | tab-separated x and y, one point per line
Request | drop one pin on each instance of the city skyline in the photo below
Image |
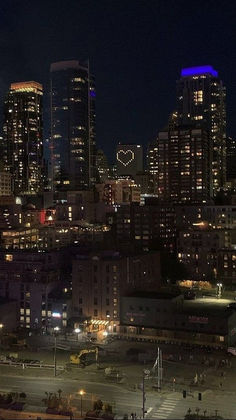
124	43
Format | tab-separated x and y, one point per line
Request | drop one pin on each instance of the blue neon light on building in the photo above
195	71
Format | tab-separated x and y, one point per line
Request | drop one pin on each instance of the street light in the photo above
77	331
56	329
219	289
81	392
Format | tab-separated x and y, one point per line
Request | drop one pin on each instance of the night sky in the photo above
136	50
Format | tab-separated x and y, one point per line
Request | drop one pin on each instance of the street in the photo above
123	401
180	368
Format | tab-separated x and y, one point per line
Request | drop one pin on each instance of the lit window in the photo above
8	257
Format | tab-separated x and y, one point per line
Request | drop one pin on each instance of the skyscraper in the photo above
201	99
152	165
183	165
129	159
72	125
231	159
22	137
102	166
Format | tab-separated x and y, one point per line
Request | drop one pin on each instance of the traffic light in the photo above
184	394
200	396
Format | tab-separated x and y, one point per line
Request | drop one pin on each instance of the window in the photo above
95	312
95	301
80	301
107	301
9	257
107	268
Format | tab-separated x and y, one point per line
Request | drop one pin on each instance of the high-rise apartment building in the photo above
72	125
22	137
184	174
152	165
231	159
129	159
201	98
102	166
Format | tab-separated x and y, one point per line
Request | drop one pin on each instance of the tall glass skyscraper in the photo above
201	99
22	137
72	125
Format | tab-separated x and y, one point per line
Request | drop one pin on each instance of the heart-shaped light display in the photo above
125	156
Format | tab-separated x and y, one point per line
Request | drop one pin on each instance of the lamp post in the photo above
77	331
81	392
219	290
56	329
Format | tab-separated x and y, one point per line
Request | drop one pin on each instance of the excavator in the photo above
79	359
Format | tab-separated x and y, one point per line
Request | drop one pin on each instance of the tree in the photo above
107	408
97	405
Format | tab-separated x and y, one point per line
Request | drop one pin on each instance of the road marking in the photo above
166	408
149	410
169	403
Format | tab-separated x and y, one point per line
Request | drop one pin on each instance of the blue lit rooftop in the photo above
196	71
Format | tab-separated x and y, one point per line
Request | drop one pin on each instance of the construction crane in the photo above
78	359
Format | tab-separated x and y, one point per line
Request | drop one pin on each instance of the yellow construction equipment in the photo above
78	359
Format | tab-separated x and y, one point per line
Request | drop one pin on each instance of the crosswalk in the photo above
166	407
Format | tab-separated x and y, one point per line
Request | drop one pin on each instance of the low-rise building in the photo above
99	279
28	278
167	317
198	247
226	267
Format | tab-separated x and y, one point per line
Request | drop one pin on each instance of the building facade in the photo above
100	279
5	183
231	159
72	125
29	278
22	137
201	99
184	174
129	159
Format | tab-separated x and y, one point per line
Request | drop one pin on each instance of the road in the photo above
122	400
174	406
165	405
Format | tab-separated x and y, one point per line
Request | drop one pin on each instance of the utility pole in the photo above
144	396
55	355
159	369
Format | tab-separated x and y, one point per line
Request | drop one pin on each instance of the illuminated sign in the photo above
195	71
56	315
125	156
198	319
